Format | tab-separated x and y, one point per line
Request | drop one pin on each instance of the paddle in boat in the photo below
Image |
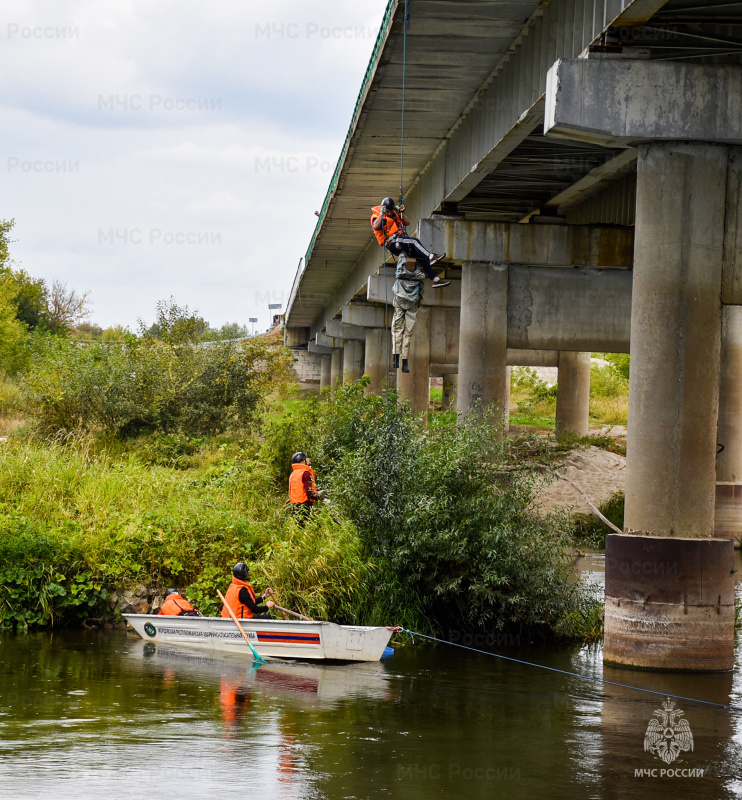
272	639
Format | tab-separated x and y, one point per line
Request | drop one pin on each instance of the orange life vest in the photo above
233	599
297	492
390	225
175	605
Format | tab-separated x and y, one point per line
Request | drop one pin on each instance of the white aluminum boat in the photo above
272	639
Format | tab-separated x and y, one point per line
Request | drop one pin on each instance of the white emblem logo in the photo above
667	736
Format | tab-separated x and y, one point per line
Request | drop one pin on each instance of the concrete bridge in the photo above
580	162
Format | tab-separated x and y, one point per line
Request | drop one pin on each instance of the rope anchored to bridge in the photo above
573	674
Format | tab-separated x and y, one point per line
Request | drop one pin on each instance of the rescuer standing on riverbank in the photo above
303	492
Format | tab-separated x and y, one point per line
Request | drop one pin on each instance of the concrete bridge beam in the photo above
339	330
615	101
583	309
319	350
536	245
367	315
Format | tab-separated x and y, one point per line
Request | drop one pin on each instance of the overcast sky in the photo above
164	148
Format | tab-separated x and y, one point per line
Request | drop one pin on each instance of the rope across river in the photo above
573	674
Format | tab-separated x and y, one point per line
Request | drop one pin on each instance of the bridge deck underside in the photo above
453	49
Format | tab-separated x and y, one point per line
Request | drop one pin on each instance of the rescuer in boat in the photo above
303	492
242	599
389	224
176	605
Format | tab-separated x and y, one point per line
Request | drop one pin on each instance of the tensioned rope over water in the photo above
574	674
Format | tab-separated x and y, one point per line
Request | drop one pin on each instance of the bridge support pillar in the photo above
336	366
728	512
325	371
450	385
415	385
573	393
483	341
669	583
352	360
377	362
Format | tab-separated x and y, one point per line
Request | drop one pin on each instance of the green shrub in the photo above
324	570
148	384
41	583
451	533
619	363
606	382
11	398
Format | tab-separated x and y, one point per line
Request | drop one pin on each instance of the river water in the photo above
106	715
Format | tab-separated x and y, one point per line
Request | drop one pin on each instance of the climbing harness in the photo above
572	674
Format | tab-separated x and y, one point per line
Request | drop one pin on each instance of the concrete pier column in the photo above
450	384
377	362
352	360
325	371
669	583
728	512
483	376
336	366
573	393
415	385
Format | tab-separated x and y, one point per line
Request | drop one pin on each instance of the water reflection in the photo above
106	716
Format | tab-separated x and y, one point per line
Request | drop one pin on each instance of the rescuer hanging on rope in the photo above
389	224
408	294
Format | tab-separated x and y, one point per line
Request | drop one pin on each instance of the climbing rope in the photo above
573	674
405	26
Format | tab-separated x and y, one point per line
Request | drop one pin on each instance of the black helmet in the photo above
298	458
387	202
241	571
171	591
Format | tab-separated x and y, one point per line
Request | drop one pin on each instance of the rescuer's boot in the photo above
436	257
405	365
439	284
395	361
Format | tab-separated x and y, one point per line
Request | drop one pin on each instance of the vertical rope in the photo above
405	25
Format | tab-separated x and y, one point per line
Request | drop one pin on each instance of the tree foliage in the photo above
165	383
440	508
66	307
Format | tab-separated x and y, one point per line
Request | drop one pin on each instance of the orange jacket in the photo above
175	605
233	600
391	225
297	490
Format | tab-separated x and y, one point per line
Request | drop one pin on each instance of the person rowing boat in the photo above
242	598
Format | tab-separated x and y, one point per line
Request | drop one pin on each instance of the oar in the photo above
292	613
255	653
